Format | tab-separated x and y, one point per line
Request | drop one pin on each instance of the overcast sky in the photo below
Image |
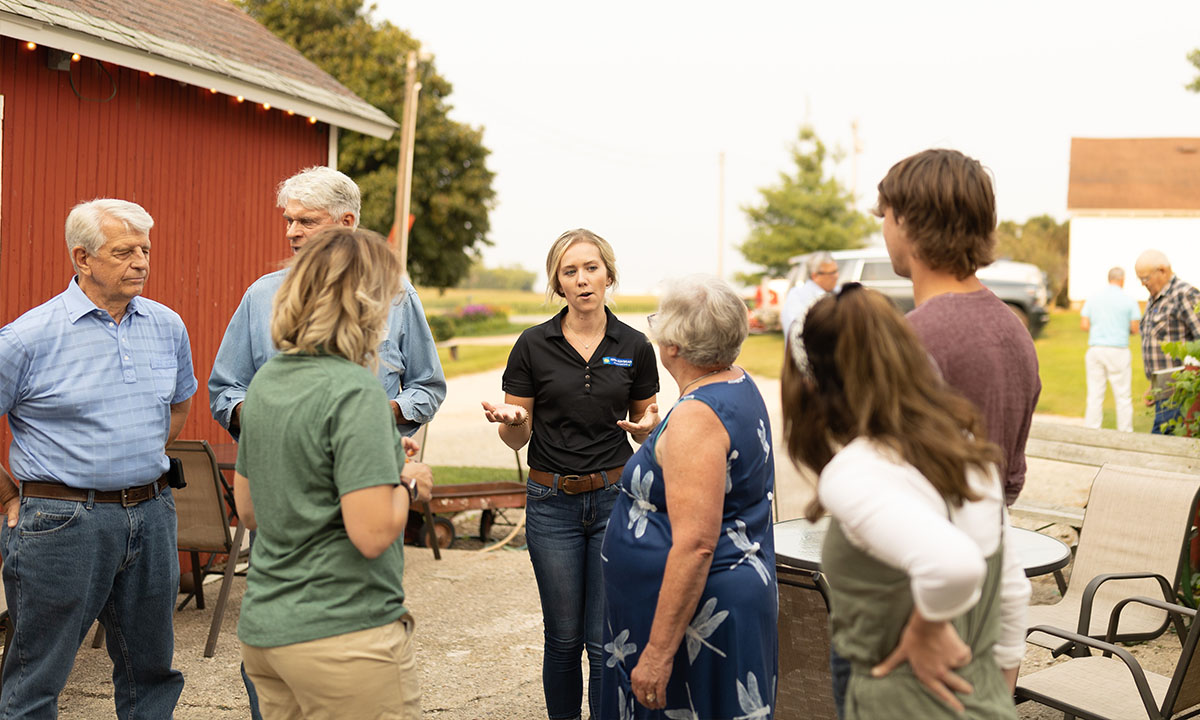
611	116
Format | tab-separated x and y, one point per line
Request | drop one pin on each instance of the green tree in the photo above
1040	240
452	187
1194	59
806	211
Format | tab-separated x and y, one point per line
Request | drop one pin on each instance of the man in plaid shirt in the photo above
1170	317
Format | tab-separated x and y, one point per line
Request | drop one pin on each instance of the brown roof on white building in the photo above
1134	174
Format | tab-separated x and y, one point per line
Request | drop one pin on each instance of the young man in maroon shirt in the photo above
939	221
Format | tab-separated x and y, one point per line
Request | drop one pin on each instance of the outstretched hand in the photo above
645	425
411	447
934	651
504	413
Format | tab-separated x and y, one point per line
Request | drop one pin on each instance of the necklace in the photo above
710	374
588	345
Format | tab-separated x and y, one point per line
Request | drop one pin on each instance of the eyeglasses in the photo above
650	320
1146	278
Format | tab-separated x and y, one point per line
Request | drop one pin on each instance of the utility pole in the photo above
856	151
408	131
721	215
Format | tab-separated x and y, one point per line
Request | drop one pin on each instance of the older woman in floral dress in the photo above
689	560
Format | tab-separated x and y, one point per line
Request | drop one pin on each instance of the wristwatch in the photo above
411	484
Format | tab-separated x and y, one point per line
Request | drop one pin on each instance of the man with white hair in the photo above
96	382
1170	317
822	272
1109	317
409	368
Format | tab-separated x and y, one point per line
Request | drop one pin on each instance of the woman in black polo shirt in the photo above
569	385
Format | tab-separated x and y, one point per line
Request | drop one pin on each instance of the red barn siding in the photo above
203	165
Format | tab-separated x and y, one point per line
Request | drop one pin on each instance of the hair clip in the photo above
796	346
847	288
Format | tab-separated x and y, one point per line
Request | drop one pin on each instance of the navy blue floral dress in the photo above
727	664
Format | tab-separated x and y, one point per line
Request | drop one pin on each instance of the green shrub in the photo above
442	326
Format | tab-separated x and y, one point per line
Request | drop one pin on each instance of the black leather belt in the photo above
127	497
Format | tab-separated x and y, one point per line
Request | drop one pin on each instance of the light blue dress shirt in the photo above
799	300
1109	313
409	368
89	400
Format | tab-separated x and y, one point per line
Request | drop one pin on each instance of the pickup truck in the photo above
1021	286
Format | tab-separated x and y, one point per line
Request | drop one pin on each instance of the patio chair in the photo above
805	687
1132	541
202	509
1116	688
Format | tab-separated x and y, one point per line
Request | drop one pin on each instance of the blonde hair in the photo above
559	248
337	296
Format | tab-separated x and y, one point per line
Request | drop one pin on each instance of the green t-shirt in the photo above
315	427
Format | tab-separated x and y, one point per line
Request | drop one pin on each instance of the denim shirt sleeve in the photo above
420	386
233	367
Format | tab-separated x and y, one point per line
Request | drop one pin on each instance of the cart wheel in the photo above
486	520
443	529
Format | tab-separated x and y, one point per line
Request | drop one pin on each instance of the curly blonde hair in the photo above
337	296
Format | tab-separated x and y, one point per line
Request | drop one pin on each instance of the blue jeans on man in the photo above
1163	413
68	563
565	534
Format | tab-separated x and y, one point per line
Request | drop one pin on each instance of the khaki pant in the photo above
369	674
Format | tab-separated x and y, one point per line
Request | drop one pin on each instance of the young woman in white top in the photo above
927	600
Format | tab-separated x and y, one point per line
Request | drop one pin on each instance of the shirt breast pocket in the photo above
163	370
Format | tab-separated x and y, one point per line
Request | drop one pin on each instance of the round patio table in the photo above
798	544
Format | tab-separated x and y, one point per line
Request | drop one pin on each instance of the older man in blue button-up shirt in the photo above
409	368
96	382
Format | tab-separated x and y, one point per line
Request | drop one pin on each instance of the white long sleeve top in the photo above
889	510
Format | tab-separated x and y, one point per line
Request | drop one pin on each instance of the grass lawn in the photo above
1060	352
449	475
762	355
519	302
473	359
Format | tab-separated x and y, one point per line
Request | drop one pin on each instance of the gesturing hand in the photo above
934	651
504	414
644	426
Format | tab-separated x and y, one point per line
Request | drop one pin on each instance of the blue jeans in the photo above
68	563
1163	413
840	668
565	533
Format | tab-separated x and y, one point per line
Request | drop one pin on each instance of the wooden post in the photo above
408	128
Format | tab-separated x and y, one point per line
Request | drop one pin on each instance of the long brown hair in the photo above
869	376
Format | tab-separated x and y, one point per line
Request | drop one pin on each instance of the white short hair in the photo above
322	188
84	222
819	258
704	317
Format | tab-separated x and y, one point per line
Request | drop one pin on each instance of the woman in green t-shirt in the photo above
321	473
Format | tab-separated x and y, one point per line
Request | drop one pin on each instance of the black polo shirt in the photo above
577	402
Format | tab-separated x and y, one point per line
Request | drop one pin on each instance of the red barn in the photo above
187	107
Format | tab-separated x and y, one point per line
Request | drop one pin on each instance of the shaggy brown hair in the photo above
871	377
337	296
945	202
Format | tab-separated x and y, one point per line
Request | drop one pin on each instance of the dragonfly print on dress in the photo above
749	551
641	506
704	624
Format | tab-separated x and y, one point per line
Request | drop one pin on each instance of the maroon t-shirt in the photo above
985	353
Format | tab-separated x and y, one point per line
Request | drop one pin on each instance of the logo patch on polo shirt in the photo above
619	362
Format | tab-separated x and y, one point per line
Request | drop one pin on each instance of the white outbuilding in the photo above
1127	195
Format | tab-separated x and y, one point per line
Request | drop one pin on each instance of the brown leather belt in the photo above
127	497
575	484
